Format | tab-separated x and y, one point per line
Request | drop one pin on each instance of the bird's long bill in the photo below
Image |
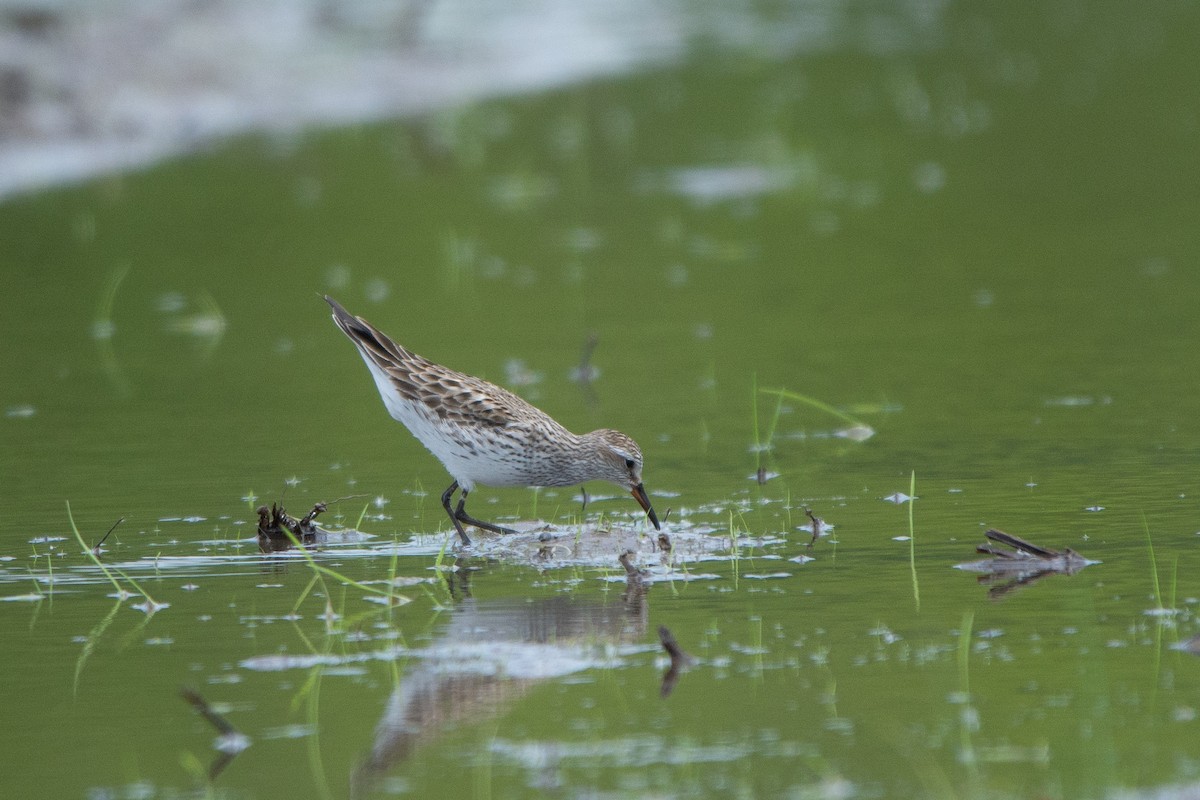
639	494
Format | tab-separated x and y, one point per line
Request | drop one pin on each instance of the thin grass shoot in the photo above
912	539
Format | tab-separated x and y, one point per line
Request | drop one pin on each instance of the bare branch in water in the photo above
205	710
96	548
230	742
1021	564
679	660
632	572
817	524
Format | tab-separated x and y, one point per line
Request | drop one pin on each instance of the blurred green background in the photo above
971	225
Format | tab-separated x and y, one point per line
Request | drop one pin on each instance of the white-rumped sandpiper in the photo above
486	435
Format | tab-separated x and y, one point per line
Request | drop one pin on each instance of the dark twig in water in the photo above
672	647
583	508
666	516
96	548
634	595
761	475
1022	548
458	580
1022	564
1003	583
818	525
205	710
664	543
632	571
231	740
679	660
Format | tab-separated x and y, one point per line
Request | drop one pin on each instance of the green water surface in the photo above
978	235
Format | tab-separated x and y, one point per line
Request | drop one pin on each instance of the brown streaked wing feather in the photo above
471	400
451	394
374	343
446	392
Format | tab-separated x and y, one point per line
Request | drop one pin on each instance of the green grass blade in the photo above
912	539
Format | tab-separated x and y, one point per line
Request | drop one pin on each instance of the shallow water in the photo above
973	232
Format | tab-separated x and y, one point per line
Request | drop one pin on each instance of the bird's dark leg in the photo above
460	514
446	505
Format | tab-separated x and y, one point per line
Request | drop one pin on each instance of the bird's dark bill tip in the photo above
639	494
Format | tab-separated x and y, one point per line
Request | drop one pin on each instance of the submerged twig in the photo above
1020	547
1021	564
679	660
1024	552
818	525
230	742
634	595
633	574
201	705
672	647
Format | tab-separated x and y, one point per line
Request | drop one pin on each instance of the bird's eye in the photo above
629	463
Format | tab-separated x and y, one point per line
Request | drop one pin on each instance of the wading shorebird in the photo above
486	435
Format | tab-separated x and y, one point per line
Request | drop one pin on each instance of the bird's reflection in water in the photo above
489	655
